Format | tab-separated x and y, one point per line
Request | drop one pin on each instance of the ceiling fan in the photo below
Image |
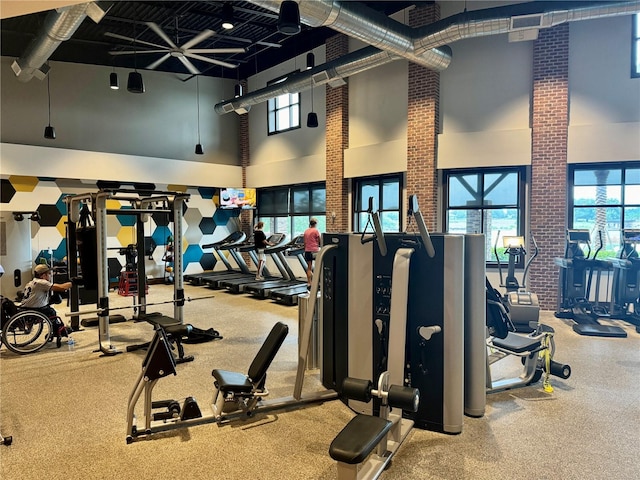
182	52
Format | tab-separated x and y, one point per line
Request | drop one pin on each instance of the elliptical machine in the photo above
625	304
522	305
576	275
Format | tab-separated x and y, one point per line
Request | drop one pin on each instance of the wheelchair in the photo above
28	331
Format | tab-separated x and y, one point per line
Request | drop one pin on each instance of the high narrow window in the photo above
283	110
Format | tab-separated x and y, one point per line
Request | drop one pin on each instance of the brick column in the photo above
423	124
550	121
337	105
246	217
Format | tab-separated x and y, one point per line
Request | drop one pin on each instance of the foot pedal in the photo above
190	409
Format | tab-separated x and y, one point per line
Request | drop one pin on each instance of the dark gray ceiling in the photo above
255	30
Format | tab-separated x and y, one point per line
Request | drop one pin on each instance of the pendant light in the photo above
289	18
311	60
134	81
114	84
227	16
312	117
49	131
199	150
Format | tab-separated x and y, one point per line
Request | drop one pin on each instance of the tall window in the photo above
386	192
288	209
283	110
605	199
486	201
635	47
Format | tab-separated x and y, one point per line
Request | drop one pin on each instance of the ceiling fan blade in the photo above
137	52
210	60
161	34
217	50
155	64
189	65
202	36
130	39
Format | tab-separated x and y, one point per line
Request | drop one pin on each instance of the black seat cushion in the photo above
517	343
358	438
232	381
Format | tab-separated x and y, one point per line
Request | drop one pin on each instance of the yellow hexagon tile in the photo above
23	183
177	188
126	236
113	204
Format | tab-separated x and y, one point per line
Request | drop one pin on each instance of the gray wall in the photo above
88	115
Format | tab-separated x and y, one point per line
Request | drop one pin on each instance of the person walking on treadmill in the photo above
311	247
260	241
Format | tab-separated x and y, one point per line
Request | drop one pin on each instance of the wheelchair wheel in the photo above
27	332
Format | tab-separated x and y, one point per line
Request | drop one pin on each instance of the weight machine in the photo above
90	244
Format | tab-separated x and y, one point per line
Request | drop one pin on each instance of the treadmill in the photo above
235	251
232	239
263	289
288	295
238	284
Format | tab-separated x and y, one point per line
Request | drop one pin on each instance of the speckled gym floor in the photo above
66	411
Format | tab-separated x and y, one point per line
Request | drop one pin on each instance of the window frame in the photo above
273	109
520	206
358	184
623	205
290	213
635	46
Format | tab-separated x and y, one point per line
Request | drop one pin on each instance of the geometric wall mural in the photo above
203	223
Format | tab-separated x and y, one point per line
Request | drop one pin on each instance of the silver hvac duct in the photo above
531	16
430	39
59	26
332	73
363	23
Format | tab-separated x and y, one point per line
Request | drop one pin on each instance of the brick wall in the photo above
423	125
337	140
550	118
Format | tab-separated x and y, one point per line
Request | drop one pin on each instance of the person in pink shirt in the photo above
311	247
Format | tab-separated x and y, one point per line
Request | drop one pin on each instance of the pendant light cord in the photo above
198	104
49	95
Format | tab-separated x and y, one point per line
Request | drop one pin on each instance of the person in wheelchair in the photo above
37	296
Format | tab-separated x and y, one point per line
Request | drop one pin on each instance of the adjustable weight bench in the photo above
353	448
233	392
236	392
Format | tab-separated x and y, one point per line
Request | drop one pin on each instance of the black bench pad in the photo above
358	438
232	381
516	343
